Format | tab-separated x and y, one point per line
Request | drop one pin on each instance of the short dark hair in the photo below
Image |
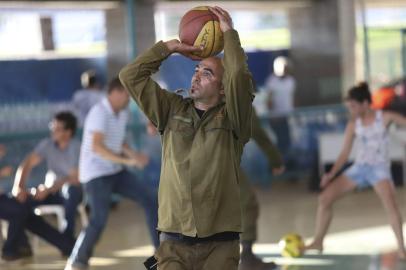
89	78
115	84
68	120
360	93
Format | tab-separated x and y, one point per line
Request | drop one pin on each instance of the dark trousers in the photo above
21	217
280	126
70	197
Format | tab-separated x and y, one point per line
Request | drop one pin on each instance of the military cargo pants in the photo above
213	255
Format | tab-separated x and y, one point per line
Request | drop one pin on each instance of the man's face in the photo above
121	98
58	131
207	84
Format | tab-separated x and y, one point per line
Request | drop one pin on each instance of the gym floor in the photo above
359	238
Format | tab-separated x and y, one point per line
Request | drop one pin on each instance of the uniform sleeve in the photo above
238	86
265	144
154	101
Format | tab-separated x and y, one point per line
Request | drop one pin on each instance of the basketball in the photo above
200	27
291	245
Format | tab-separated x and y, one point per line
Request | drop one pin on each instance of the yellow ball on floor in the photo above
291	245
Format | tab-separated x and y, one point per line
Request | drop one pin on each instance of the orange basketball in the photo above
201	27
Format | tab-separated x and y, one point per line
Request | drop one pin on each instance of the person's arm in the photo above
6	170
101	149
344	154
237	80
140	157
19	187
392	117
265	144
42	191
154	101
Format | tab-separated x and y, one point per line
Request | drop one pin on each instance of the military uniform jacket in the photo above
199	185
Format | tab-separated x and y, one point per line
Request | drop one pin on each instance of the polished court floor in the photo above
359	238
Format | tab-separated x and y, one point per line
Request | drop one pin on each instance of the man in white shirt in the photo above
280	87
280	90
102	156
90	94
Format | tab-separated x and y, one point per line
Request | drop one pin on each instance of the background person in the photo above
371	167
102	158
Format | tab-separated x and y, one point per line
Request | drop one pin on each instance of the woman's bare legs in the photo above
334	191
386	192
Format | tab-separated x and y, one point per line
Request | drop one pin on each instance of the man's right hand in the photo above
139	161
175	46
20	194
326	179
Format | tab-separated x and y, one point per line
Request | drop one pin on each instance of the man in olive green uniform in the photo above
249	203
202	141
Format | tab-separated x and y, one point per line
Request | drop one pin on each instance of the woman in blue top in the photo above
371	167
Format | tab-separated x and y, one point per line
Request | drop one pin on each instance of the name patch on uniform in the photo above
183	119
219	115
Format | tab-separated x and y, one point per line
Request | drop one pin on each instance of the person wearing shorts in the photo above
369	129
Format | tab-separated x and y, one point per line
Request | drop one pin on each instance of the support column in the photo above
347	28
322	36
119	47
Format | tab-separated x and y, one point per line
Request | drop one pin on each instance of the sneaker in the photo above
251	262
23	253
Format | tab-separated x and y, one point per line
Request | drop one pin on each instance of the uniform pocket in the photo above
181	125
217	125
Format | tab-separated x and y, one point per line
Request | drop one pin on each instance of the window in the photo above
20	34
260	25
72	33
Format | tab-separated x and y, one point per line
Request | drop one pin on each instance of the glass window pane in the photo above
20	34
259	30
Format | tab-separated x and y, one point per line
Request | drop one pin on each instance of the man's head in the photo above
359	99
117	95
207	86
63	126
280	66
89	79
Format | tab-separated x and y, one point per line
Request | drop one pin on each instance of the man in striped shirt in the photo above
102	157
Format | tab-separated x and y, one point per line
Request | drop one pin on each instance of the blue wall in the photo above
57	79
39	80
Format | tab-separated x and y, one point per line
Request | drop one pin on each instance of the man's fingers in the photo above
187	48
221	12
216	12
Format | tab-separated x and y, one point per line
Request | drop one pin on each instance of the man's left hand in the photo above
40	193
226	23
278	170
